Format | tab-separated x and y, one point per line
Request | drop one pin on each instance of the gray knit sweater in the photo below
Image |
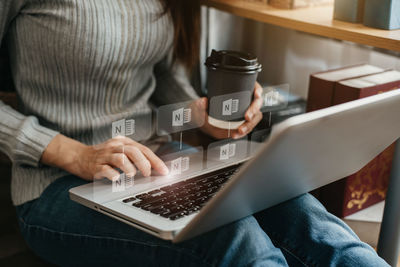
74	62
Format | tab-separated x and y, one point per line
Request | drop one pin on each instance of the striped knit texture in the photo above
77	67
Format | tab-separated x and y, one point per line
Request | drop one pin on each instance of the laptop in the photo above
302	153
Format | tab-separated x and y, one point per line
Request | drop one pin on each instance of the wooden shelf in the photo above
314	20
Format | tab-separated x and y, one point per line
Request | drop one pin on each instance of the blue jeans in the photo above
299	232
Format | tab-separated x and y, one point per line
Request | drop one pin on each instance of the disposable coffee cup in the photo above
230	85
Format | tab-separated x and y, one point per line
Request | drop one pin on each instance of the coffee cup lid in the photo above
233	60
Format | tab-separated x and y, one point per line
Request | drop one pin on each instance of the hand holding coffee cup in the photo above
252	117
234	96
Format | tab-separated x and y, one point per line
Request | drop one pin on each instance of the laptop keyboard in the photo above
182	198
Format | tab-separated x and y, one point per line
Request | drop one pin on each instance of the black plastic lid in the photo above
233	60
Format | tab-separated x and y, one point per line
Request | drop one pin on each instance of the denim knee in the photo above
303	228
304	203
244	243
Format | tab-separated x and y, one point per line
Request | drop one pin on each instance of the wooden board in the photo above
314	20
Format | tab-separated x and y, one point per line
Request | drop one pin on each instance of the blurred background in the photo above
288	56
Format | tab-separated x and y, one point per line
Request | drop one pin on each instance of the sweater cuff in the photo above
32	141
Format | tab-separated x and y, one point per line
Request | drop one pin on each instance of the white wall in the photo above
290	56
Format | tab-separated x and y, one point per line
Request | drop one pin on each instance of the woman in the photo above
76	61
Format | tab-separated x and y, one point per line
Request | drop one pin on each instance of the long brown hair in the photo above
186	18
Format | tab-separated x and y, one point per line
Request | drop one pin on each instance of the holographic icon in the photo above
181	116
276	97
227	151
272	98
129	127
179	165
230	106
122	183
123	128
